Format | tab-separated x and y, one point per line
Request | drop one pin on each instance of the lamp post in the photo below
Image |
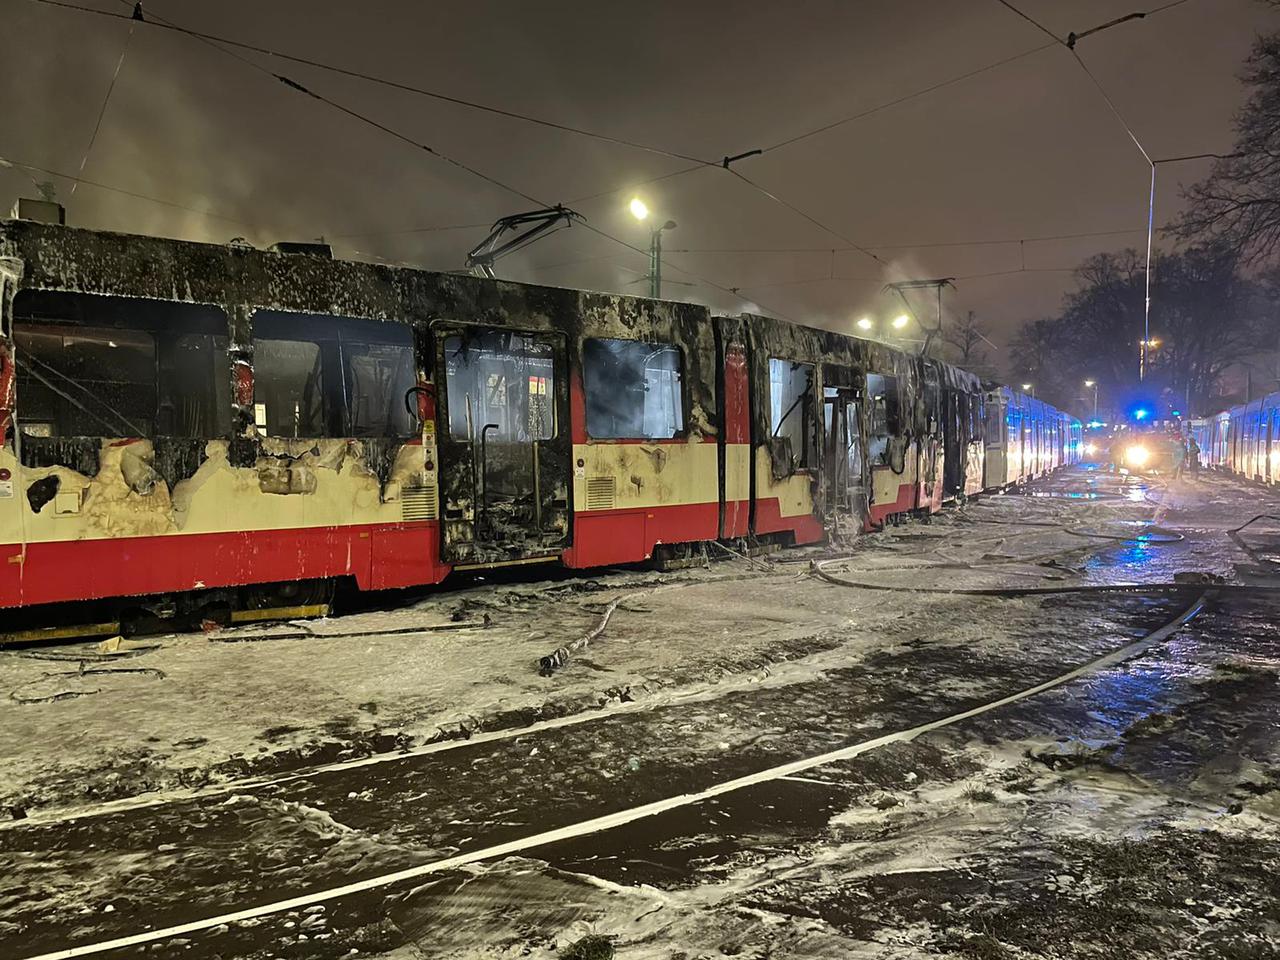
1094	384
1029	388
640	211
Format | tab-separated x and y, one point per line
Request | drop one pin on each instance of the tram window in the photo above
288	389
886	411
634	390
790	389
323	376
932	397
100	366
504	378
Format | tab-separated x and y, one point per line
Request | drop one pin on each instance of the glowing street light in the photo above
1026	387
640	210
900	321
1094	384
865	323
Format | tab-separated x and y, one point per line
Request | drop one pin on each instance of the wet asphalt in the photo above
85	881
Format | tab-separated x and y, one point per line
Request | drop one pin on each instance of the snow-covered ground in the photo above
194	709
1131	812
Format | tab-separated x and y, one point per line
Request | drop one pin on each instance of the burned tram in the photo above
190	427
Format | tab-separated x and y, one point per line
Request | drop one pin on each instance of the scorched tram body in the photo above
190	427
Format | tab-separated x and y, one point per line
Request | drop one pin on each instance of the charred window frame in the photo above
884	414
8	291
325	376
93	365
886	406
791	391
501	377
634	389
932	399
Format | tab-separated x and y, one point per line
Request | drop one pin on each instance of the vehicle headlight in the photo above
1091	448
1137	455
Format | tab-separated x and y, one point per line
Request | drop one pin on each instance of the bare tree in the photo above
966	337
1206	317
1238	205
1037	357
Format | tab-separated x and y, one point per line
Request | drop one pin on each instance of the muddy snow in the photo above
1129	813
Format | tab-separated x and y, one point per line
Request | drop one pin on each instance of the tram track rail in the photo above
588	826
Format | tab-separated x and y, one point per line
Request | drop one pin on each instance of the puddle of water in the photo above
1066	494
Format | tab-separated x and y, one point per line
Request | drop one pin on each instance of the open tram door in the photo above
956	420
844	460
504	444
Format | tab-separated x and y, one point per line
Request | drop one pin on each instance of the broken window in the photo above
790	413
500	378
886	411
323	376
932	398
100	366
634	390
886	417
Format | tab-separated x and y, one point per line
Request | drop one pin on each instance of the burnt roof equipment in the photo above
43	211
527	228
305	248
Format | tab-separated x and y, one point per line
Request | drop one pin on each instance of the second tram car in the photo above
1244	441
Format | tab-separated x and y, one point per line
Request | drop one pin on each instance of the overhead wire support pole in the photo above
1151	211
1070	43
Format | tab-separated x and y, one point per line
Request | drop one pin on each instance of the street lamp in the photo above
640	210
865	323
1145	346
900	321
1029	388
1094	384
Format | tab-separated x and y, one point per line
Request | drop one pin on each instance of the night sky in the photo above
1028	149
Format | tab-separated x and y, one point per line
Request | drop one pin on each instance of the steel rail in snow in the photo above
594	825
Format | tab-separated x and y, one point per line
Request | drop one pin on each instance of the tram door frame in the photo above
844	451
476	527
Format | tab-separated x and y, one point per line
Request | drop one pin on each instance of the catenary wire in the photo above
165	24
354	114
914	246
102	112
48	171
698	163
898	101
1031	20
